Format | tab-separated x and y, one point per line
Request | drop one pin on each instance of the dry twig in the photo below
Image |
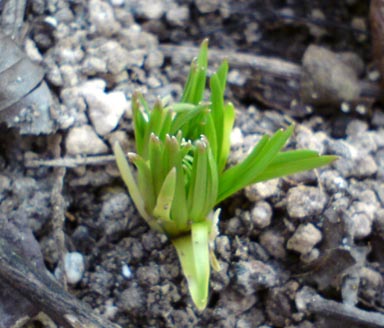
308	300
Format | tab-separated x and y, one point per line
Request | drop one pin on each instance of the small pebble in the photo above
126	271
274	243
84	141
332	181
253	275
207	6
102	18
105	109
304	239
303	201
261	215
177	15
262	190
74	267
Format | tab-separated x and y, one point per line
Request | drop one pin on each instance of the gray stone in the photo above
326	79
252	276
303	201
274	243
332	181
150	9
154	60
102	18
84	141
132	299
115	57
306	139
261	215
177	15
304	239
207	6
262	190
361	216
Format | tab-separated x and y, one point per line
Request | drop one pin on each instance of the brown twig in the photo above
58	208
308	300
272	66
70	162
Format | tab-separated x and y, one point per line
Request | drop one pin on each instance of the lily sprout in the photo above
181	175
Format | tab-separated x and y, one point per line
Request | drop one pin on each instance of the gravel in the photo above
74	267
304	239
304	201
83	140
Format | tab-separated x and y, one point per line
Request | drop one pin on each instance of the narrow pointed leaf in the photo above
217	111
127	176
247	171
229	120
222	73
184	250
155	163
196	193
164	201
144	181
200	240
291	167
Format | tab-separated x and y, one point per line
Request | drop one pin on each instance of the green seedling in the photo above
181	175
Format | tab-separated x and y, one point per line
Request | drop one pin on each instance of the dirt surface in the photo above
282	243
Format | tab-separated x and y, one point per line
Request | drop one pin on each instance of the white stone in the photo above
261	215
105	109
74	267
237	137
84	141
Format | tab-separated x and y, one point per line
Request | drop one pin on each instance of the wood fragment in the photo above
308	300
12	18
58	208
274	67
45	292
70	162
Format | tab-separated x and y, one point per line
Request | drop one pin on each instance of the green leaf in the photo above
280	168
229	120
193	253
144	180
212	181
195	85
164	201
244	173
217	111
127	176
173	156
222	73
200	240
155	162
186	120
198	182
140	122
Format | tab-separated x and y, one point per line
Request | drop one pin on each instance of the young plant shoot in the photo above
181	175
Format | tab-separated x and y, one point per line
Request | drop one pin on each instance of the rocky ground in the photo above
303	251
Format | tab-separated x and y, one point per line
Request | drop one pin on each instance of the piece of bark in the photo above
376	16
41	289
267	78
14	307
308	300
